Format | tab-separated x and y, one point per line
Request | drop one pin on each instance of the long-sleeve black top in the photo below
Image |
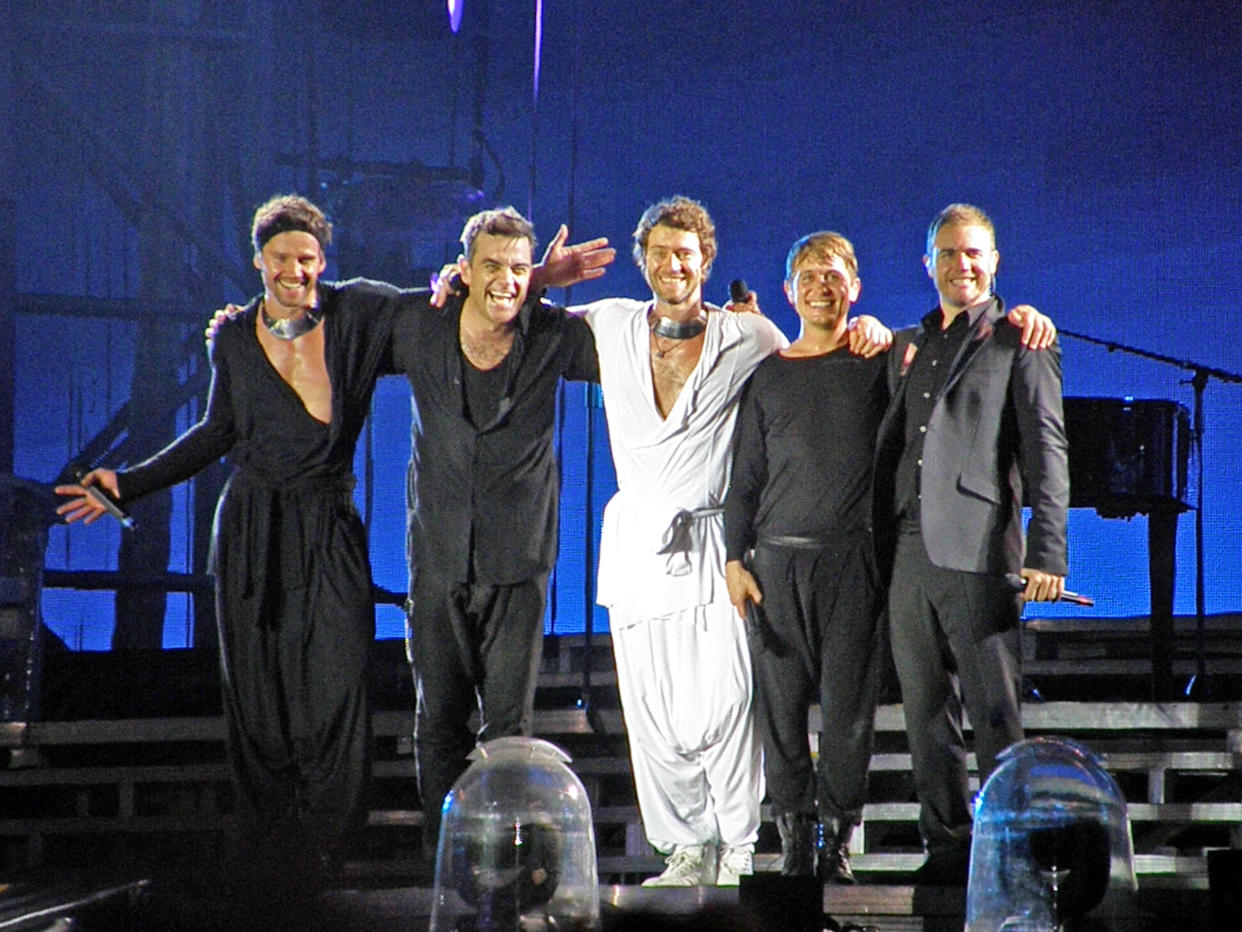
256	418
482	498
803	447
286	512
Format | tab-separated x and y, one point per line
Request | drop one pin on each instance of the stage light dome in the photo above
1052	848
517	844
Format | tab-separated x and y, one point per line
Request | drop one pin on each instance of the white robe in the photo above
682	660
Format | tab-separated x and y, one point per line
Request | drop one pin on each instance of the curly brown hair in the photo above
680	213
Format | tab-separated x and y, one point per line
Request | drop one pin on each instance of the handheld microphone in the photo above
738	292
1017	584
110	504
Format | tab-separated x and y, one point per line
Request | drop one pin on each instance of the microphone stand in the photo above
1197	685
594	401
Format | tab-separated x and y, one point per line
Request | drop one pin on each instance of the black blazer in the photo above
997	423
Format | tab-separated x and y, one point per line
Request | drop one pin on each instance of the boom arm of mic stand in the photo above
1198	383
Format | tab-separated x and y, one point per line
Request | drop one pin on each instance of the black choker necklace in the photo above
290	328
679	329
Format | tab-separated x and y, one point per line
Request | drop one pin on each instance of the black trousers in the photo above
955	642
821	640
293	662
472	648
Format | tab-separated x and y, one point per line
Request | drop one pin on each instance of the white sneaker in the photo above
735	860
688	866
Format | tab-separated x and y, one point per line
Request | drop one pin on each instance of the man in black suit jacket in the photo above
975	419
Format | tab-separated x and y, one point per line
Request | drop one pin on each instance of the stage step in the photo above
114	788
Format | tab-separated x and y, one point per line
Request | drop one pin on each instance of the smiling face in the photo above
963	265
673	267
498	275
290	263
822	289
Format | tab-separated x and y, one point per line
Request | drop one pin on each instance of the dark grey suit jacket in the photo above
997	423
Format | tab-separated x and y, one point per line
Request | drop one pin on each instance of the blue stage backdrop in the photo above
1103	138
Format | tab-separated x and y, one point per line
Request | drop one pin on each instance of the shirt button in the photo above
926	394
923	429
919	462
935	362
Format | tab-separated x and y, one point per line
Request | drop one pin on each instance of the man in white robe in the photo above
683	664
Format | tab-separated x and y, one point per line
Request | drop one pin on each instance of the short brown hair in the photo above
499	221
824	243
680	213
287	212
963	215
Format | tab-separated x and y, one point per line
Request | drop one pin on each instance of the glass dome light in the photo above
1052	848
517	844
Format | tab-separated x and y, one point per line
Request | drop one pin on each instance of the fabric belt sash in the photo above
274	552
679	528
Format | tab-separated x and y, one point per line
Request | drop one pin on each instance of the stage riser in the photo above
113	785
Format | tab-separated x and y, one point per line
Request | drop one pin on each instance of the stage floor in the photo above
202	904
145	905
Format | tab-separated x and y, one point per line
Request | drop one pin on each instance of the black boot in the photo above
797	831
832	845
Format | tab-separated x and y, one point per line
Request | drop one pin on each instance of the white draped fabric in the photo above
682	660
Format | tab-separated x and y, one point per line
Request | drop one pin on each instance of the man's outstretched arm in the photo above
563	265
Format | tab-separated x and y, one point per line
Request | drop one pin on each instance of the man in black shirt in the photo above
481	495
292	378
975	420
800	495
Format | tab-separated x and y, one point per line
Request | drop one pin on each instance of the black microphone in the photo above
110	504
738	292
1017	584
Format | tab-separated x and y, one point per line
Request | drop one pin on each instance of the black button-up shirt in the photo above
482	498
929	371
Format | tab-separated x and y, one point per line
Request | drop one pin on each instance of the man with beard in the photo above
671	369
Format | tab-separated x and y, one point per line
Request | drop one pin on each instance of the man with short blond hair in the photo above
975	423
800	499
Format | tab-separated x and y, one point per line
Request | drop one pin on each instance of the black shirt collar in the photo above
933	318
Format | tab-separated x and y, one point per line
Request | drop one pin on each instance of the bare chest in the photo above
488	350
672	364
301	363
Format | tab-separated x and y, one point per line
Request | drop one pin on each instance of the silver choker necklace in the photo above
290	328
678	329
